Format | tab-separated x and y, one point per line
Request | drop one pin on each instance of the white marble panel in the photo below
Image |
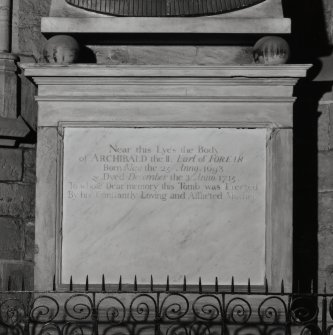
164	201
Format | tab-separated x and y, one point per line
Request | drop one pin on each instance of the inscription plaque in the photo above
163	201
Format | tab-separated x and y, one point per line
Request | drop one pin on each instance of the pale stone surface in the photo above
172	55
164	201
324	126
325	175
325	231
188	25
165	97
289	73
10	164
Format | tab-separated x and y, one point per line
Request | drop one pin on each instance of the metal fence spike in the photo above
54	283
216	285
184	284
200	285
120	284
103	283
232	284
249	286
266	285
282	287
71	284
167	284
135	284
151	283
87	283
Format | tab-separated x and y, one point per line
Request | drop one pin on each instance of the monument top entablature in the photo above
163	16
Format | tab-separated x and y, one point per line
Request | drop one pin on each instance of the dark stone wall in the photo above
17	211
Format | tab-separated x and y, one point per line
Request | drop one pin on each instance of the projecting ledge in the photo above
158	25
92	70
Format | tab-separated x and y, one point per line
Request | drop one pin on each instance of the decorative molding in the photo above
222	71
134	99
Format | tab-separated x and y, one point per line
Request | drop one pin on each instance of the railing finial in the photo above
103	283
135	284
167	284
120	284
71	284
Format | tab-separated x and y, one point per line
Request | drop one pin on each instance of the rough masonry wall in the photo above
17	211
325	195
325	158
17	165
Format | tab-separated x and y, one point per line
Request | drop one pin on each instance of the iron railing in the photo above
186	310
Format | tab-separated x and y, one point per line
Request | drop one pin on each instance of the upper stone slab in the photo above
159	8
235	17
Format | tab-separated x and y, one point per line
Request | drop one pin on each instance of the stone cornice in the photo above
223	71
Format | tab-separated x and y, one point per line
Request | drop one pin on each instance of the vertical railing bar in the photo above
157	315
95	314
324	316
28	307
288	316
223	315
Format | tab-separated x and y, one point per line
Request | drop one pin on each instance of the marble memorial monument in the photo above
181	167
